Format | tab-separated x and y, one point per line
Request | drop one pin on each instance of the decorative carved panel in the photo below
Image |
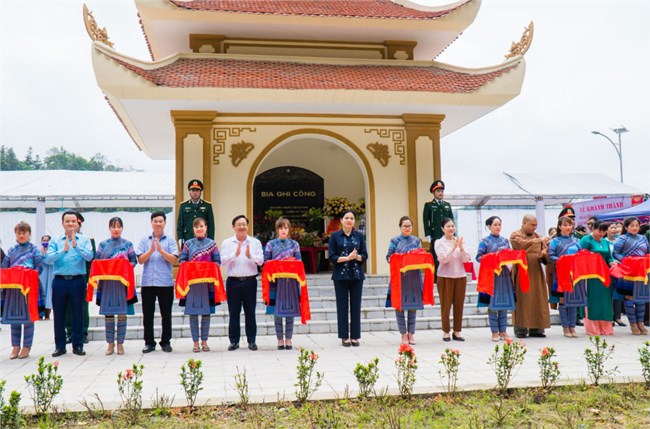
380	152
239	152
221	135
397	136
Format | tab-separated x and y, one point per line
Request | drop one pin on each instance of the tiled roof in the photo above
235	73
384	9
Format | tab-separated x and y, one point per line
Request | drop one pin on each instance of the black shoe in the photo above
233	346
619	323
537	335
523	335
354	343
345	343
280	347
166	348
288	347
579	323
252	346
457	338
85	339
59	352
149	348
68	340
446	338
79	351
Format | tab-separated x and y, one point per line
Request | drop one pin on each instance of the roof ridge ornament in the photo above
520	49
95	33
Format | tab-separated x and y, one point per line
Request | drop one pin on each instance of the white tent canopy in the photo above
516	189
60	188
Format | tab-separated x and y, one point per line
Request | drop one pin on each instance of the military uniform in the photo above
434	212
189	211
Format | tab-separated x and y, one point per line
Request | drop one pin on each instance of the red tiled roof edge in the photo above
146	39
373	9
119	118
236	73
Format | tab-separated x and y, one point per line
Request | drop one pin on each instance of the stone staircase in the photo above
374	315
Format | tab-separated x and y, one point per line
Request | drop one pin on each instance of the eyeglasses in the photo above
407	226
590	224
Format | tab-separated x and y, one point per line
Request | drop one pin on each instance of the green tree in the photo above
9	161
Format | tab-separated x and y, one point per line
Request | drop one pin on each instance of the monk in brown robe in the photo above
532	314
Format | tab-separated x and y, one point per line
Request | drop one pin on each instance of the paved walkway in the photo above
271	373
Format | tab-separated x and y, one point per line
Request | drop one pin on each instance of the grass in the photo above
580	406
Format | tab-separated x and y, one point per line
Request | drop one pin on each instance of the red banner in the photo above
418	259
492	264
584	265
191	273
26	280
632	268
288	268
119	269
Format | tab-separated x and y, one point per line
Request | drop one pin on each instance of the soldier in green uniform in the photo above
191	209
434	212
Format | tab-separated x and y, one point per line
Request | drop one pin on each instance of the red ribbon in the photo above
417	259
119	269
493	263
632	268
191	273
25	279
584	265
288	268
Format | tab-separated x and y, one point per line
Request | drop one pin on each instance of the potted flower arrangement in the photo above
334	208
265	225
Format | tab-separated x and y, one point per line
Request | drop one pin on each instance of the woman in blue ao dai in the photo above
565	243
285	293
112	294
411	282
15	311
199	301
504	293
631	243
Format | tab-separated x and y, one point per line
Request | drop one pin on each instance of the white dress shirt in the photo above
241	266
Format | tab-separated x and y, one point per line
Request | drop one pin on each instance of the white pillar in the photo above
39	228
541	217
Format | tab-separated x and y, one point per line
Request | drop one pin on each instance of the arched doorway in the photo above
344	169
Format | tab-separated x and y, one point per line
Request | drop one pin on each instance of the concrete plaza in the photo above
271	373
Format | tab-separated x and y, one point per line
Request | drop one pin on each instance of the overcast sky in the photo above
586	70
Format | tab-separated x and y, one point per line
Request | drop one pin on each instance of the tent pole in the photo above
541	216
39	228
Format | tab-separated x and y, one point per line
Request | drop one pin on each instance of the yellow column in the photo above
198	122
420	125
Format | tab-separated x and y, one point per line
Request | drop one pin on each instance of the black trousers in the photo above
241	293
68	292
165	295
348	292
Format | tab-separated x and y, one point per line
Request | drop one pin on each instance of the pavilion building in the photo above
347	90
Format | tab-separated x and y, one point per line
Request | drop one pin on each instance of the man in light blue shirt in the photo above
157	252
68	255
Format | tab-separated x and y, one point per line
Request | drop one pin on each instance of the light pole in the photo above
618	147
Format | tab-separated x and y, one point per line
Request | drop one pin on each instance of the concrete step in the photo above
265	326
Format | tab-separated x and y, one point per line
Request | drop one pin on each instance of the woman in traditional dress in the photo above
112	294
631	243
598	313
15	310
284	302
411	282
564	244
347	252
452	279
200	300
504	293
617	298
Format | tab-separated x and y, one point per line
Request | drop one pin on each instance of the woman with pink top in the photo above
452	279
